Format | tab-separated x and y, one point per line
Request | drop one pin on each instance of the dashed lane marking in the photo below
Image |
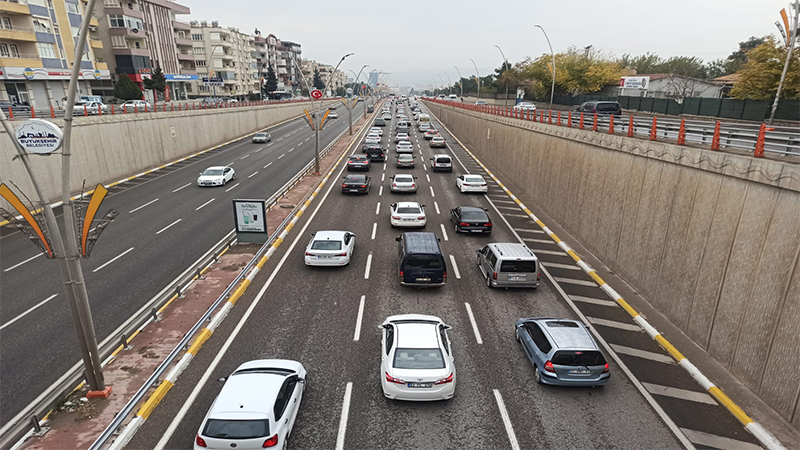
455	267
226	190
113	259
474	324
185	185
204	204
140	207
168	226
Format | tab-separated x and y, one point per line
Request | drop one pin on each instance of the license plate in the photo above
423	279
420	385
324	256
353	190
407	220
518	278
475	231
578	371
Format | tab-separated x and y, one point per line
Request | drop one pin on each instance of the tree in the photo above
272	80
157	81
760	75
576	73
340	91
318	84
126	89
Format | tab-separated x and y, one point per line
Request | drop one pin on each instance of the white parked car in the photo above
256	407
408	214
403	182
137	105
216	176
471	183
333	115
401	137
417	361
330	248
90	108
404	147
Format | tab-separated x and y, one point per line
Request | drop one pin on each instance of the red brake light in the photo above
341	254
449	379
421	218
463	224
548	366
538	276
444	276
363	185
494	276
344	185
605	369
200	442
413	185
309	254
271	442
401	274
396	217
392	379
487	224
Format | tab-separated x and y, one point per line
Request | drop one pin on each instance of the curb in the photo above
764	437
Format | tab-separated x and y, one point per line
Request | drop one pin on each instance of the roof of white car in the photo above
416	330
217	167
331	235
250	394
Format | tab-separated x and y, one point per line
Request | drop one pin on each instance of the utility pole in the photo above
792	40
505	67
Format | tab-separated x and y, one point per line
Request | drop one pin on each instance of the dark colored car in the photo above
366	147
16	107
358	162
420	259
469	219
376	154
356	184
601	108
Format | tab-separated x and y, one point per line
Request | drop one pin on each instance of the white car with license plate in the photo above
372	139
417	362
403	182
256	407
330	248
408	214
471	183
216	176
404	147
401	137
376	130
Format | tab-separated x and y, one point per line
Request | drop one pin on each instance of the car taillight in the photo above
394	184
444	276
548	366
494	276
421	218
309	254
449	379
392	379
363	185
487	224
482	184
349	162
538	276
344	185
413	185
401	274
271	442
200	442
605	369
466	184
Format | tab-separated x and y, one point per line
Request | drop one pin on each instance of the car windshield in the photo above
518	266
236	429
474	215
473	179
576	358
213	172
408	210
426	262
326	245
261	135
418	358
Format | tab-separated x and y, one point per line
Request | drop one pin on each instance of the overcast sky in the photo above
415	40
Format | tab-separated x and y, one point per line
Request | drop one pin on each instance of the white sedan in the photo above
401	137
403	182
417	361
216	176
376	130
330	248
372	139
471	183
404	147
408	214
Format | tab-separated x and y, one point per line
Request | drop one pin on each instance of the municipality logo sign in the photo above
39	136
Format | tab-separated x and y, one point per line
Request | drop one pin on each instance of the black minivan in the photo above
421	261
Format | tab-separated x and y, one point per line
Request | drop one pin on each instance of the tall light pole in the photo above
505	67
792	41
460	83
350	108
553	86
477	77
355	83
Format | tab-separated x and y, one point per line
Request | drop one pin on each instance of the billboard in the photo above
634	82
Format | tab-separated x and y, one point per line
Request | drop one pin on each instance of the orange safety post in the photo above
53	112
682	133
611	125
172	106
762	135
10	113
559	119
112	109
124	109
33	113
594	123
550	116
580	124
180	105
569	119
145	107
85	111
630	127
654	130
715	139
99	110
527	115
541	116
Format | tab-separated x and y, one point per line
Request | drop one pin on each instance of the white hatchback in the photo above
401	137
330	248
408	214
471	183
417	361
404	183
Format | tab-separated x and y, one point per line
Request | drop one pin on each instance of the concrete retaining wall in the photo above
107	148
708	238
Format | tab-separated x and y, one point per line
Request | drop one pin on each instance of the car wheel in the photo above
537	375
455	228
516	335
224	181
233	177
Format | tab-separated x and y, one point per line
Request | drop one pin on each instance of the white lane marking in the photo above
657	357
574	281
245	156
167	227
140	207
258	149
432	194
436	205
511	208
540	241
527	230
455	267
380	191
114	259
348	392
550	252
505	201
279	157
28	311
267	165
428	177
187	184
615	324
512	438
683	394
444	232
378	208
369	264
252	174
524	216
472	321
307	139
291	149
226	190
593	301
383	176
561	266
273	143
23	262
204	204
714	441
374	229
279	139
384	166
424	167
357	334
229	164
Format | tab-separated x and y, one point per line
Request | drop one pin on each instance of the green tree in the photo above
318	84
341	91
157	81
647	63
272	80
761	74
576	73
126	89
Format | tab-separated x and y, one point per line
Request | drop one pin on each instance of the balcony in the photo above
18	33
95	43
183	42
21	60
186	57
14	7
179	25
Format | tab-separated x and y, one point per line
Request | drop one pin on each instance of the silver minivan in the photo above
509	264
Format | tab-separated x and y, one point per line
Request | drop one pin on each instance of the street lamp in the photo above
350	108
460	83
553	86
478	77
505	67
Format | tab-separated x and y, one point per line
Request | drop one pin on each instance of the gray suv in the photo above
509	264
562	352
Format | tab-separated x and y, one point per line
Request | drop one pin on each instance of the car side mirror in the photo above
439	239
301	380
397	239
448	327
222	379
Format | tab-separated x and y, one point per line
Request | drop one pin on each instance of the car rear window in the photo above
518	266
474	179
426	262
575	358
236	429
443	160
358	158
607	106
404	179
356	179
408	210
418	358
326	245
474	215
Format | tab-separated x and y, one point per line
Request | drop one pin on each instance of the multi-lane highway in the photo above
166	223
326	318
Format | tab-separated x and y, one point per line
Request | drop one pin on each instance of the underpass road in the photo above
310	315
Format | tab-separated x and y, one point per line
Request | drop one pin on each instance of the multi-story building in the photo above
141	35
339	79
286	70
225	53
36	51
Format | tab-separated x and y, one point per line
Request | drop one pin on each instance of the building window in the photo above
200	63
38	3
199	51
4	51
116	21
7	23
46	50
197	37
42	25
14	50
75	30
73	8
87	56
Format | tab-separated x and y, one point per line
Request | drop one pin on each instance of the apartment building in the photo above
337	80
224	52
280	54
141	35
37	44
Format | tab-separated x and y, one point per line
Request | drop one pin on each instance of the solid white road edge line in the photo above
113	259
348	392
506	421
28	311
472	321
357	334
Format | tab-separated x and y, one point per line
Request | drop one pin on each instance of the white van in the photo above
423	119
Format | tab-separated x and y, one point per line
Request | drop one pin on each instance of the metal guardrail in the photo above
26	421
